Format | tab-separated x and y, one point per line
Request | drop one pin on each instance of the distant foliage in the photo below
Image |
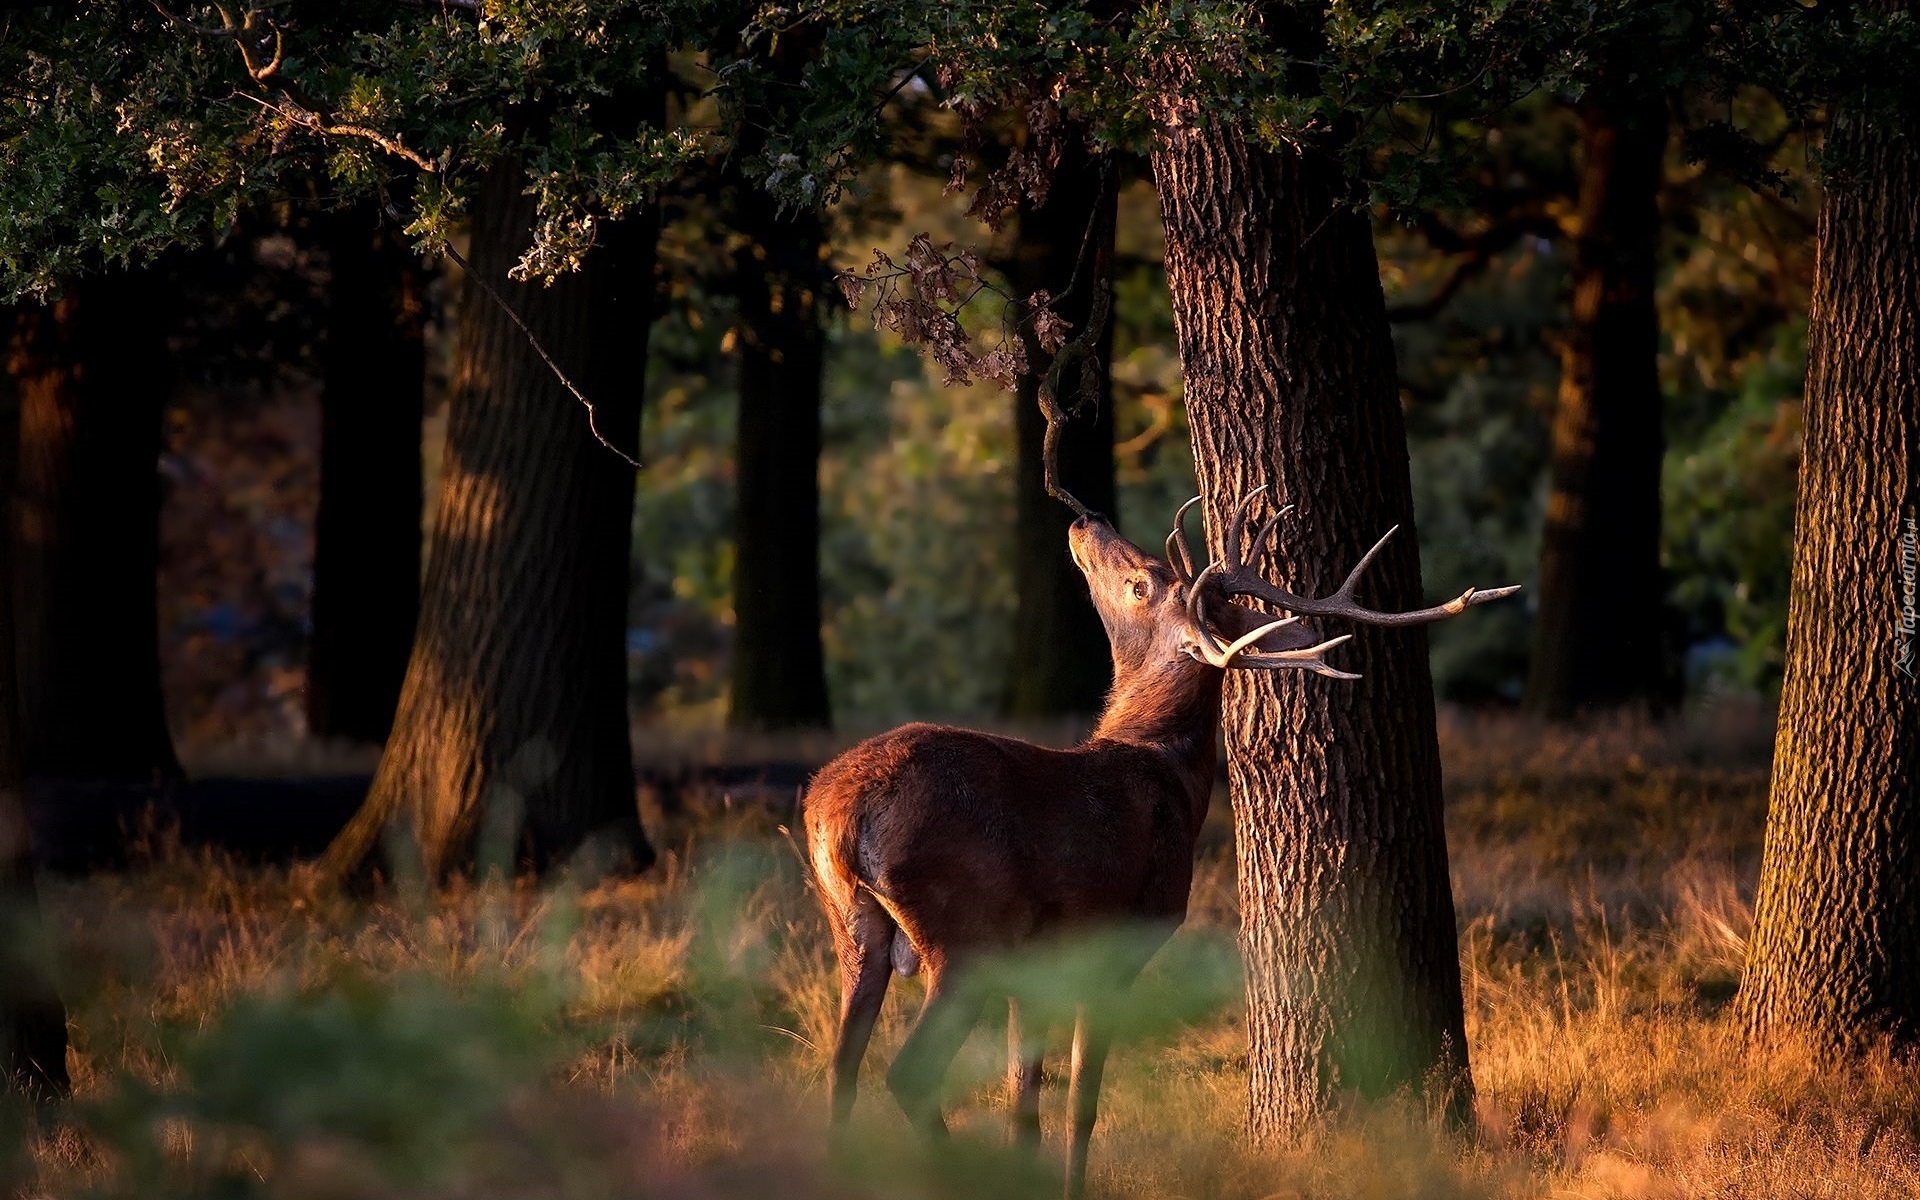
916	484
1729	497
1479	375
916	478
1733	310
1480	381
919	487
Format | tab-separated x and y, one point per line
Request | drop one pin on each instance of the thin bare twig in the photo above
1463	272
1479	250
912	74
1082	349
593	414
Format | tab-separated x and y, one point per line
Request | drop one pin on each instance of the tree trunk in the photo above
366	556
33	1022
1061	663
1599	639
511	734
1835	951
93	375
779	668
1347	926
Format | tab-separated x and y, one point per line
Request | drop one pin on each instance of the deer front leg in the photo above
1091	1036
938	1032
1025	1047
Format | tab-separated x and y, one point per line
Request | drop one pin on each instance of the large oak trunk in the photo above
1353	980
1060	663
779	668
1835	951
1599	639
33	1022
93	376
512	724
366	556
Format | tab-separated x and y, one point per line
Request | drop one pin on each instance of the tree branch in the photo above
1479	249
306	118
1082	349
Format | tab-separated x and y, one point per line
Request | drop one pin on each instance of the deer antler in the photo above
1179	554
1208	649
1235	578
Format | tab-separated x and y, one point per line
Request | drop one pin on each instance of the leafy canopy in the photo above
128	128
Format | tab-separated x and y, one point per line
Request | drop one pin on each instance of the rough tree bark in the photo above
512	727
93	374
779	667
33	1022
1834	957
366	558
1060	663
1353	979
1599	638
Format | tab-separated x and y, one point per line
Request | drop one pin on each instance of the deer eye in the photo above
1140	589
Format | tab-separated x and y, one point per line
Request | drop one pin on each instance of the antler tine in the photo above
1473	596
1266	531
1308	658
1179	554
1231	552
1235	578
1208	648
1235	654
1366	560
1176	558
1196	614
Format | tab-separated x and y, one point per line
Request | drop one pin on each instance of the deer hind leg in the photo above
1091	1037
941	1029
1025	1046
864	945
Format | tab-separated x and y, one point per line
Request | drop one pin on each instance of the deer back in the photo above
974	841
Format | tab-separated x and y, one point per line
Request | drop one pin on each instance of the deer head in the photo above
1158	610
1139	598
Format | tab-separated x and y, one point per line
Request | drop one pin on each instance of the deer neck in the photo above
1172	708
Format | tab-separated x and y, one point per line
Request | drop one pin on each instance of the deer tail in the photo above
833	859
833	854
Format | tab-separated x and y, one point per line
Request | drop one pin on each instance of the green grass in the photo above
237	1033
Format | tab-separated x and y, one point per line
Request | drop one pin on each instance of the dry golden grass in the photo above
237	1033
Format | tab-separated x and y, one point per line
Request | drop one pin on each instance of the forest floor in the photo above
237	1032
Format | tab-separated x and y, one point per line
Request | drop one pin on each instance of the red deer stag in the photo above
934	848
